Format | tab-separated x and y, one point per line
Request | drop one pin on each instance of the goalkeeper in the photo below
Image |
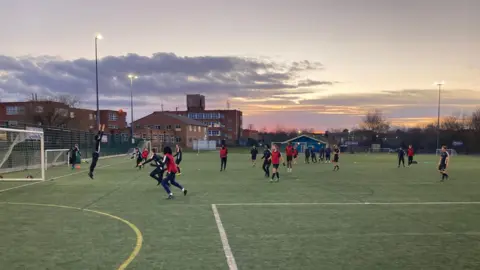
96	153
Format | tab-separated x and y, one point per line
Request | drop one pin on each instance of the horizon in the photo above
315	64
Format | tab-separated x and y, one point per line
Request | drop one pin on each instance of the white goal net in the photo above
451	152
56	157
22	156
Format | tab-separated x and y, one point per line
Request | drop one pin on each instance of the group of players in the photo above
273	157
169	163
442	162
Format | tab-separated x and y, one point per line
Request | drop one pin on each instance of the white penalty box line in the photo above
232	265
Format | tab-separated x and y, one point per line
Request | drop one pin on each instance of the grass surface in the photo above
183	234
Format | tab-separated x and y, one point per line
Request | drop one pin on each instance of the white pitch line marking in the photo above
349	203
232	265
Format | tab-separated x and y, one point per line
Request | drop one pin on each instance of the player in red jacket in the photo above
410	154
289	153
276	158
171	168
223	158
295	155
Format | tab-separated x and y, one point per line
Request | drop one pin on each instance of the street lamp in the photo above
97	37
131	77
439	84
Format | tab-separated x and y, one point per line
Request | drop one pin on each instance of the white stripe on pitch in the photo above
232	265
348	203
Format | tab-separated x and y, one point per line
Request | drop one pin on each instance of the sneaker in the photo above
90	175
170	197
184	192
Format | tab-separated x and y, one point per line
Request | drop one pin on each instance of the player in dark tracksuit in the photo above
178	158
313	154
253	155
307	155
443	163
266	161
74	152
96	153
321	153
401	157
328	152
157	173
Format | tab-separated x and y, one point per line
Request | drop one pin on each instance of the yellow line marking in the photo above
138	233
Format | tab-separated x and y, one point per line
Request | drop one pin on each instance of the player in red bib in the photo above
171	168
276	158
289	152
223	158
410	154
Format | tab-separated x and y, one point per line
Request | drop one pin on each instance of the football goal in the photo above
22	155
381	150
451	152
56	157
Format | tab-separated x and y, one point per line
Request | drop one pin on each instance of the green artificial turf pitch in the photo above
313	218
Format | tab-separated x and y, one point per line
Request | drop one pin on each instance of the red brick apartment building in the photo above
168	128
222	124
51	113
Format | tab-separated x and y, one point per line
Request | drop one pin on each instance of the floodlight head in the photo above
98	36
440	83
132	76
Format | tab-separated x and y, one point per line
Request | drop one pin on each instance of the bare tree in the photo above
54	111
250	126
375	121
474	122
452	123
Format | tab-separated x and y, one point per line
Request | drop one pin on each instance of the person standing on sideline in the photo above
75	155
401	157
223	158
410	154
253	155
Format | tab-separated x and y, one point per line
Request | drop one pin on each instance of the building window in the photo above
214	133
169	127
15	110
178	139
167	139
72	114
12	123
158	127
112	116
190	128
195	128
160	137
39	109
172	139
144	136
145	127
112	126
61	111
177	126
90	116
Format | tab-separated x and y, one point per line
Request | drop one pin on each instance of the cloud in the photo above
161	76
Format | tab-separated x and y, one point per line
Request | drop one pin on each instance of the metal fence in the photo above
60	138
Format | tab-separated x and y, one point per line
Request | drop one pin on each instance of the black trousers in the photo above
157	174
266	168
95	157
401	160
223	163
410	160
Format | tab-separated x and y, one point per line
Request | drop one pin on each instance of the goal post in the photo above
451	152
22	154
56	157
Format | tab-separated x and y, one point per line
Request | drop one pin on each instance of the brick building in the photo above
222	124
169	128
57	114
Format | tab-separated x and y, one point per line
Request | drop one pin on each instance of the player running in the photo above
289	153
172	169
443	163
157	173
266	161
178	157
253	154
96	153
336	158
276	158
138	158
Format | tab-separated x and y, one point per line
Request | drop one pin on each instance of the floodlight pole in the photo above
131	77
97	37
439	84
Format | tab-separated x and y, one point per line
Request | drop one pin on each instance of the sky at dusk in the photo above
303	64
